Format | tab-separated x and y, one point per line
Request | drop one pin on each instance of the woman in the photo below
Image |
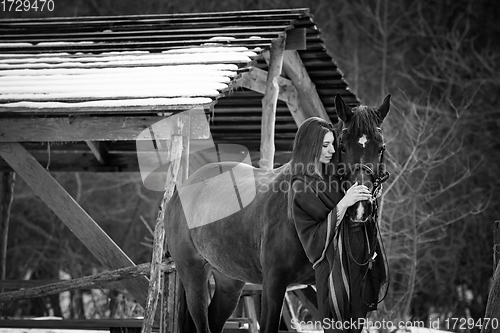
317	205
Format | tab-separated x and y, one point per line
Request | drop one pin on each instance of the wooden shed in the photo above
58	81
93	84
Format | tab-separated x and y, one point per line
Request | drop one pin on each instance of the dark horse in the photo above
258	243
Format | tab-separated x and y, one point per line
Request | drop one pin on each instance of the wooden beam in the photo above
308	96
51	325
81	161
255	80
85	110
72	215
99	149
6	197
60	129
92	281
492	311
269	104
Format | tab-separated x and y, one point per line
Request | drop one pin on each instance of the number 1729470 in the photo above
27	5
453	324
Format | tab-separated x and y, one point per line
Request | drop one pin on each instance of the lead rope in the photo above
372	260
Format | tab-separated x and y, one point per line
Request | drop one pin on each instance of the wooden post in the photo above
269	103
177	170
496	244
493	305
172	289
307	94
289	315
7	195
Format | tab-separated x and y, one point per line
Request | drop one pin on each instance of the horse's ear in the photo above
383	110
343	111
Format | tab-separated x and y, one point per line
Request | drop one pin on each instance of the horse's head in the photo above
361	149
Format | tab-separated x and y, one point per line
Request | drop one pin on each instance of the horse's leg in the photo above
194	276
273	293
226	296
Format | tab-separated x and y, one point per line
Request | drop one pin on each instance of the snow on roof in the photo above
114	103
188	76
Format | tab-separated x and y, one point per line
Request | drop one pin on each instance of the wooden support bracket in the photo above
255	80
307	94
99	149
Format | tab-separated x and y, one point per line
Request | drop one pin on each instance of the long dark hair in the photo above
307	150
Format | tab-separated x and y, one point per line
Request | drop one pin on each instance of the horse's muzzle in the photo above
361	211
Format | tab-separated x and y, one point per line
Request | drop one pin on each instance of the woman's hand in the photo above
354	194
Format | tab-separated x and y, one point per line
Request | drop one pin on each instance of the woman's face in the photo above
327	150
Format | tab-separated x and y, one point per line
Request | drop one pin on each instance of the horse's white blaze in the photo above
363	140
359	212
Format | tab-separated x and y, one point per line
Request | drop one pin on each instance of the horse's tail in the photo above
185	321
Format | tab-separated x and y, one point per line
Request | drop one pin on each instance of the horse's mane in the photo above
365	120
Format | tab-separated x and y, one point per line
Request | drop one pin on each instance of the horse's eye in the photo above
342	149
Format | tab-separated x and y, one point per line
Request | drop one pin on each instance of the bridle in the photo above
377	178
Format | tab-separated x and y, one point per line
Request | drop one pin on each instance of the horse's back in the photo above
215	214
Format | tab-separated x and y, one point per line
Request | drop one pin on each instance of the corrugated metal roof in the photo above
92	60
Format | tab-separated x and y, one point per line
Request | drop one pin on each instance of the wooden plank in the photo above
72	215
58	129
86	36
99	149
255	80
493	305
269	104
308	298
70	323
152	20
92	281
252	314
243	14
496	244
104	109
6	198
13	285
133	46
307	95
79	161
21	38
289	316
